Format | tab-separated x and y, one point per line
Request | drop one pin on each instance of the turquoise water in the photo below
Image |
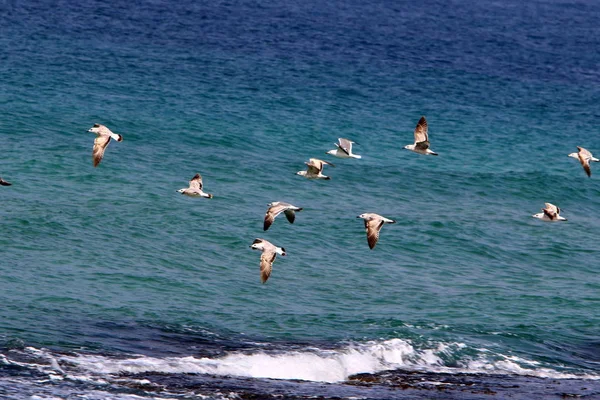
109	270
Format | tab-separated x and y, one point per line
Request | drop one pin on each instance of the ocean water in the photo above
114	286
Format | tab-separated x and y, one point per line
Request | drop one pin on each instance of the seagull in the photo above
315	167
103	136
277	208
269	252
344	149
373	224
421	144
4	183
195	189
584	156
550	213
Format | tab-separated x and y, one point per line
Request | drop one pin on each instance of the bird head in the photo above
256	245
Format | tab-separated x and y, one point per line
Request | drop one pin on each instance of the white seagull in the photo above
277	208
373	224
344	149
421	144
584	156
315	169
550	213
195	188
103	136
269	252
4	183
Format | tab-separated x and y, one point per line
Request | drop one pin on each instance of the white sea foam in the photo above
320	365
311	364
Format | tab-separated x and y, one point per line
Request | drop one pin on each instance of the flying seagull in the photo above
269	252
550	213
103	136
314	170
373	224
584	156
344	149
195	188
277	208
4	183
421	144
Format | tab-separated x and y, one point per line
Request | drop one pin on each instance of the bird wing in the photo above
271	213
100	144
421	132
373	226
551	215
290	215
585	163
196	182
584	152
266	264
584	158
551	210
345	145
315	166
318	164
422	145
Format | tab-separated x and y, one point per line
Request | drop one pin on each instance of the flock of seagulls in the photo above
373	222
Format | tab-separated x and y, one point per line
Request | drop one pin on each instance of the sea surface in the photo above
115	286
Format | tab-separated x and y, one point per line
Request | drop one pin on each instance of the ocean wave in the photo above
307	364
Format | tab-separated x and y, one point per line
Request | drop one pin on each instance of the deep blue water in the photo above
113	285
